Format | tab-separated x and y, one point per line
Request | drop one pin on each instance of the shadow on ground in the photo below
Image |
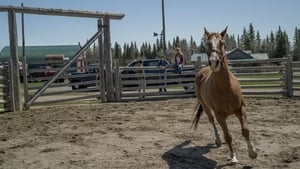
182	156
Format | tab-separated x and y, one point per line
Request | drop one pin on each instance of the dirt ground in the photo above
153	135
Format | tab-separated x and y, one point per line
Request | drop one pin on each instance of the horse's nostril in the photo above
217	63
209	63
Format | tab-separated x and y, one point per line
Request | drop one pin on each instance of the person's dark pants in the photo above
178	68
162	78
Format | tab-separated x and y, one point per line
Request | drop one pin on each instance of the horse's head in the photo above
215	49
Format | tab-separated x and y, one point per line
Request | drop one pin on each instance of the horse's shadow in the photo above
189	157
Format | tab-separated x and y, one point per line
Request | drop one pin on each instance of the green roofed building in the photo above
36	56
235	54
39	53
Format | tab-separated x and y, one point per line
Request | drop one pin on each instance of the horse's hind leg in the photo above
242	116
212	121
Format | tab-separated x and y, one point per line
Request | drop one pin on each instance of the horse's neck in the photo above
222	77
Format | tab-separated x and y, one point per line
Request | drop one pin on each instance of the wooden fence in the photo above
296	78
263	78
4	89
60	91
271	78
268	78
148	83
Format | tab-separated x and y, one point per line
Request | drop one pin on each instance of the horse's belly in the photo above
228	104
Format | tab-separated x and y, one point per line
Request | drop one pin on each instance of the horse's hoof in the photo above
252	151
218	142
253	154
233	158
234	161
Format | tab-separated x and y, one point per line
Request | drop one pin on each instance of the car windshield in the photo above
145	63
151	63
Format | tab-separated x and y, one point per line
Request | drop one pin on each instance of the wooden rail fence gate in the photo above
102	34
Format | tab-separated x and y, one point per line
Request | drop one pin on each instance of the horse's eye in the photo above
222	44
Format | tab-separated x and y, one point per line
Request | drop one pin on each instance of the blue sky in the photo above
184	18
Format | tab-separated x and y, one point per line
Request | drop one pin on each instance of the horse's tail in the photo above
199	110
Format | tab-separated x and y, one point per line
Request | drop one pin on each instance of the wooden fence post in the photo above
108	61
101	63
14	58
12	104
24	66
289	77
117	80
142	84
198	64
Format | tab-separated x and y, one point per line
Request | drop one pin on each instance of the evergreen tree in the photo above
159	44
176	42
257	44
203	44
286	42
251	37
238	42
280	48
296	51
230	42
271	45
143	51
118	53
127	53
136	51
275	45
88	54
193	46
155	52
149	49
264	45
245	40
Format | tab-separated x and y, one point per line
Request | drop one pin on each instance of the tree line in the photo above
275	44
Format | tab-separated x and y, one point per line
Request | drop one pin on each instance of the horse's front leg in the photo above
211	119
227	137
242	116
217	134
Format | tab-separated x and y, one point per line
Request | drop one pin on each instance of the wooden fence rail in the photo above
4	89
260	78
296	78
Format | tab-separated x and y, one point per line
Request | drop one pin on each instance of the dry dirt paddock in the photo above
153	135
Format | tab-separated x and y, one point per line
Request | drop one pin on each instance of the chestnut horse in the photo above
219	91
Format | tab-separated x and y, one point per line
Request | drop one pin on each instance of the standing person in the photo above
163	64
141	78
178	60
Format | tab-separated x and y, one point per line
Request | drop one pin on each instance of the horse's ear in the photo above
223	33
206	32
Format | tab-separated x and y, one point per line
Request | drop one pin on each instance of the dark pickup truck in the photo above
154	62
79	80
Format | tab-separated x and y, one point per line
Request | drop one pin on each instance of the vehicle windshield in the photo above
136	63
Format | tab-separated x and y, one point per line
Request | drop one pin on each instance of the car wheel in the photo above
75	87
